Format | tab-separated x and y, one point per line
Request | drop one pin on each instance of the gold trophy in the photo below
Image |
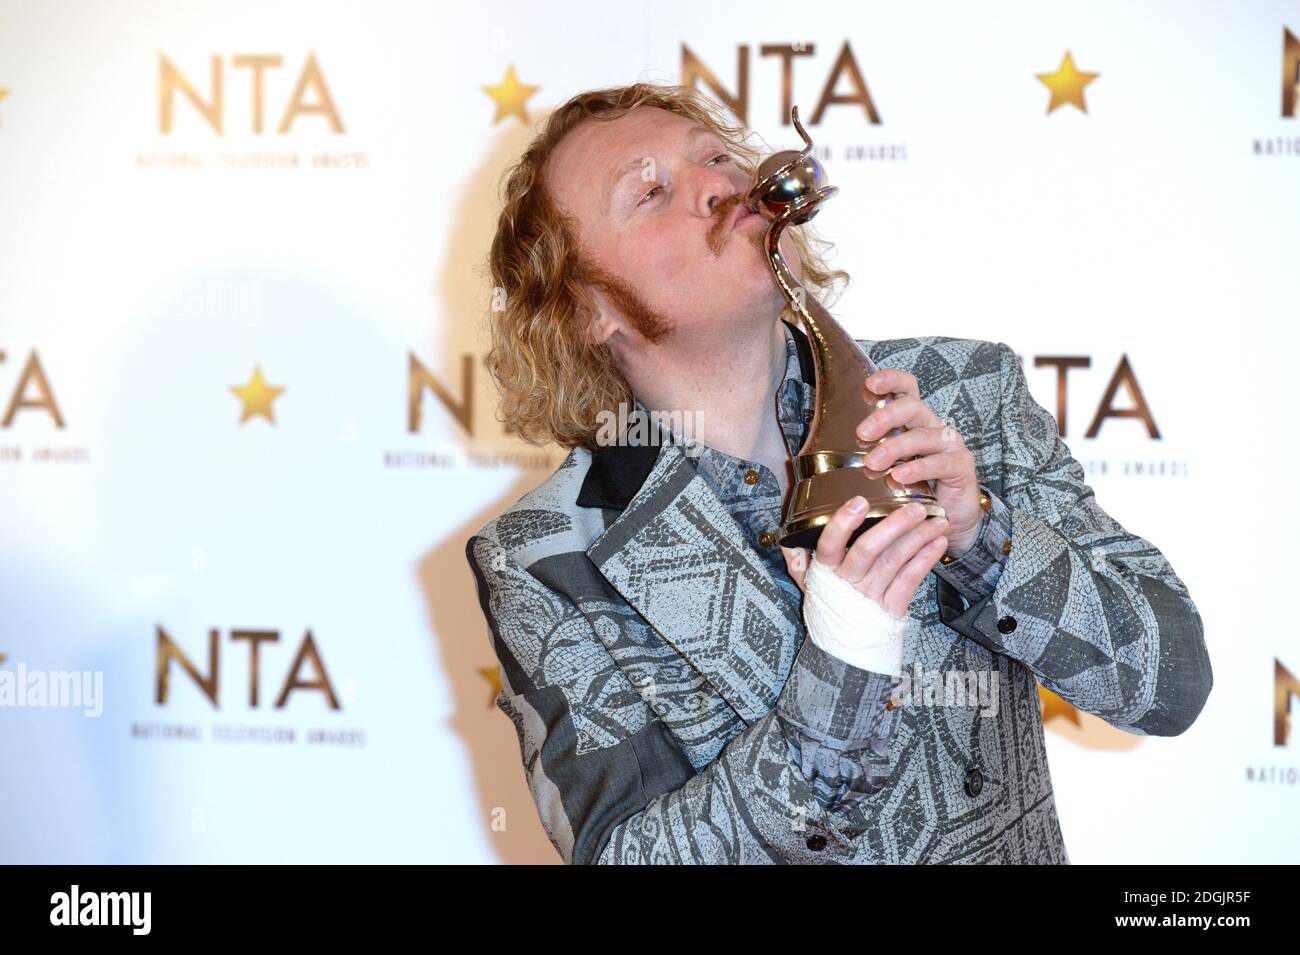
831	467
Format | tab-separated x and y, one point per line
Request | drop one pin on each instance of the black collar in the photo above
618	472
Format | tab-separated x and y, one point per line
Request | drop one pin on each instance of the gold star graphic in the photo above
257	396
1054	706
493	676
510	96
1066	84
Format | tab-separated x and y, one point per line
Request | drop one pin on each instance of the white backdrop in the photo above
148	268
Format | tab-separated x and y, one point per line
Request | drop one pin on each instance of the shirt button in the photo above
767	538
891	703
751	477
974	782
1006	547
1006	624
817	843
985	502
808	415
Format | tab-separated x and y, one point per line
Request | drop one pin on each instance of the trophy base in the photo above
806	532
818	496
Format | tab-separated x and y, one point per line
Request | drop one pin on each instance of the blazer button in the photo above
817	843
1006	624
974	782
751	477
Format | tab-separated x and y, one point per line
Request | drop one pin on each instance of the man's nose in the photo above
711	188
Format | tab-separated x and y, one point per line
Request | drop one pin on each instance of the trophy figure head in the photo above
790	185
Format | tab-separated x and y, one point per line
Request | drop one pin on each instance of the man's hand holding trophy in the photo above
883	486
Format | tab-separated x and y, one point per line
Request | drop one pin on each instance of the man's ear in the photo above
604	322
602	328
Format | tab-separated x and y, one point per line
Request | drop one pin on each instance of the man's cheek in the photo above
674	262
660	253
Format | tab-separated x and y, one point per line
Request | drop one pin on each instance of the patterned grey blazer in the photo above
659	685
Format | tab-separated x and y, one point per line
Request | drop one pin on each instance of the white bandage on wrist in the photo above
849	624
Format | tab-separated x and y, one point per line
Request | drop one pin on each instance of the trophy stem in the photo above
840	363
831	465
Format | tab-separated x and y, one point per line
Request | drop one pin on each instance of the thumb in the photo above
796	562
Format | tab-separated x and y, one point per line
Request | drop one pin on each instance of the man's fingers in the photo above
887	381
898	596
886	567
866	550
906	412
835	535
910	444
944	466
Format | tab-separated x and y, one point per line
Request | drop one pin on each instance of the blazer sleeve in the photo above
1095	612
610	782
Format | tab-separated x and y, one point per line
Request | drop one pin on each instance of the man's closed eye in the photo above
654	193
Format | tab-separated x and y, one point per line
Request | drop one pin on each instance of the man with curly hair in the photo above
675	698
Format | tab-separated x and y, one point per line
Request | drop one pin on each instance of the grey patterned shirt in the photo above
837	718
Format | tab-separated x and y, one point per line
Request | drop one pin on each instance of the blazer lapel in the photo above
678	557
